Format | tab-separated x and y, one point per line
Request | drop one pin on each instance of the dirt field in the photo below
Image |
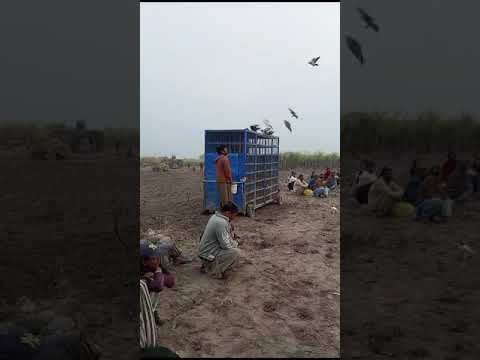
411	281
284	302
59	246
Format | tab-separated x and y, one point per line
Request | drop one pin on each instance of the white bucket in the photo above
234	188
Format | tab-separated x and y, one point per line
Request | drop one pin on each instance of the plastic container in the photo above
308	192
403	209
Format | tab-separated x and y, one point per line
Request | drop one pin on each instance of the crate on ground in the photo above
255	163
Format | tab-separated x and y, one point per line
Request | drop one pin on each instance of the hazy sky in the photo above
64	61
425	57
227	66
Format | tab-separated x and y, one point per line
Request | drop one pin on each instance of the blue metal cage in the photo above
255	162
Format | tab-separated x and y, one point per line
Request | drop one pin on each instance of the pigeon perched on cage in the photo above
294	114
255	127
369	21
288	125
356	48
314	61
268	131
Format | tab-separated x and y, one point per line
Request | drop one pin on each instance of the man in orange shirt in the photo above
224	175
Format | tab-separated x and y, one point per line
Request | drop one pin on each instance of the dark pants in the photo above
362	194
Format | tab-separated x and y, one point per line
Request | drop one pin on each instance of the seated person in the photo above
417	175
459	184
327	173
154	275
363	181
448	167
331	181
432	196
291	180
384	193
300	185
473	173
321	190
171	254
44	335
217	250
312	183
148	329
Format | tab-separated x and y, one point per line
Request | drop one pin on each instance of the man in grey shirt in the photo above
218	250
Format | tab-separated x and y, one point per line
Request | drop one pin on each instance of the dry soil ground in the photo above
284	302
58	245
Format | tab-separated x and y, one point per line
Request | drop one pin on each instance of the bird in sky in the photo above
369	21
288	125
255	127
314	61
294	114
268	124
356	48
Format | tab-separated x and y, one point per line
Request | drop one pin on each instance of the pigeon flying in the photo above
314	61
288	125
267	123
369	21
293	113
355	47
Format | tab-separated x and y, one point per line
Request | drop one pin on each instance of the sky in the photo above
425	57
68	61
231	65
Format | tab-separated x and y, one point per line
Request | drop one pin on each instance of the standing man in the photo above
224	175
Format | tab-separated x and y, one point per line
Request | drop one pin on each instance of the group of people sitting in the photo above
320	185
429	194
218	252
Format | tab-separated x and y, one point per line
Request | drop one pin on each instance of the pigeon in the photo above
267	123
355	47
268	131
314	61
294	114
288	125
255	127
369	21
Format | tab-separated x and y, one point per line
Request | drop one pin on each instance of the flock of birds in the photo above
353	44
268	129
356	49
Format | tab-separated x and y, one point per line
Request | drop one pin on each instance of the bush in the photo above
399	133
292	160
